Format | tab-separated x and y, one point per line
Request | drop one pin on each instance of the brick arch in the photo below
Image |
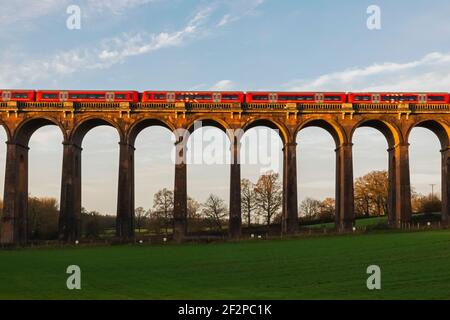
283	131
333	128
190	128
389	130
439	128
85	125
137	127
7	131
26	128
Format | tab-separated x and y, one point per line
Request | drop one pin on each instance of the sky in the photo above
221	45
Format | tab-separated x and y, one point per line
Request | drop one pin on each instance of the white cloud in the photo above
239	9
430	73
115	6
26	10
223	85
111	51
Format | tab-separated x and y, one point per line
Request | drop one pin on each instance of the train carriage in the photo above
398	97
295	97
86	96
17	95
192	97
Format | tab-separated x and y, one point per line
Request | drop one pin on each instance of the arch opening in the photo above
208	159
316	167
371	142
429	143
261	159
154	179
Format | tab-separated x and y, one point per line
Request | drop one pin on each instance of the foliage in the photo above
371	194
43	215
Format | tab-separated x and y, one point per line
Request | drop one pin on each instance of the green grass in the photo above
359	223
414	265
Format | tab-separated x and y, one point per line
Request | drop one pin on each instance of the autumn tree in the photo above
327	209
371	193
163	204
215	211
269	196
248	200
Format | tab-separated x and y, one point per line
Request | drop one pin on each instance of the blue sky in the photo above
242	45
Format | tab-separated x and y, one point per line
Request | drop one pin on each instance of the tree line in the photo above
261	206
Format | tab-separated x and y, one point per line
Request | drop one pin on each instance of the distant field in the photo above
414	265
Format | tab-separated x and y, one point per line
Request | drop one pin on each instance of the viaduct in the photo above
394	121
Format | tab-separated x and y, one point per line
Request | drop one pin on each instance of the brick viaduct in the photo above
394	121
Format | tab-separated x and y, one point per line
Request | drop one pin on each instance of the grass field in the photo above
414	265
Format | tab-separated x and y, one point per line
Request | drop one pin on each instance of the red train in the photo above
87	96
190	96
17	95
386	97
287	97
222	96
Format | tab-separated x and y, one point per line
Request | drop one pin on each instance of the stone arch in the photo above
283	131
334	129
209	122
442	132
7	130
439	128
399	186
390	131
26	128
83	127
142	124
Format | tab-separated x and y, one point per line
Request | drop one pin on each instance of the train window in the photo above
233	97
295	97
362	98
399	98
159	96
19	95
436	98
87	96
260	97
121	96
50	96
332	98
193	97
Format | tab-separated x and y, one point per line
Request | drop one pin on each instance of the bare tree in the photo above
310	207
269	195
193	214
163	205
215	210
248	199
139	217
